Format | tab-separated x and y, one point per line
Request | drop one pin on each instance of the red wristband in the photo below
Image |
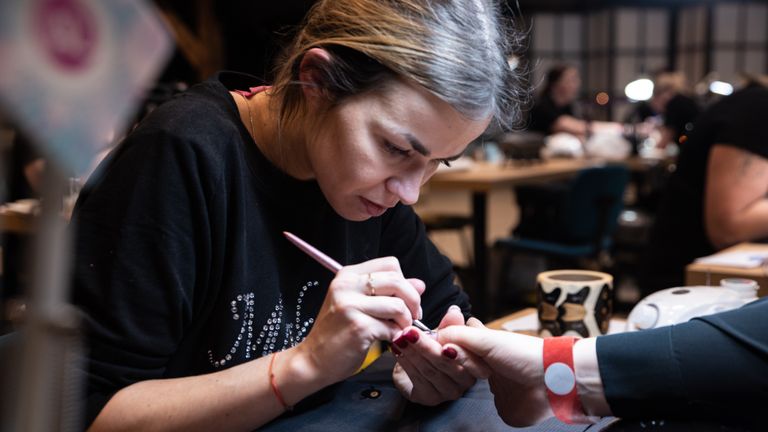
560	379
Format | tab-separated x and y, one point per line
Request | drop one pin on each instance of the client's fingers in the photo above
467	360
425	375
477	340
474	322
452	317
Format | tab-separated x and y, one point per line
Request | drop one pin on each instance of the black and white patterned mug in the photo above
574	302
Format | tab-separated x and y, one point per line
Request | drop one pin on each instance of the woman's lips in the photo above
373	209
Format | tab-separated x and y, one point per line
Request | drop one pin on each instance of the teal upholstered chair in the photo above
571	226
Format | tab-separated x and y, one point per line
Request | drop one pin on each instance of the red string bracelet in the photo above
273	384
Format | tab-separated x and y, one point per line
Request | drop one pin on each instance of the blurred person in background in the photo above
678	111
24	168
555	110
669	115
717	196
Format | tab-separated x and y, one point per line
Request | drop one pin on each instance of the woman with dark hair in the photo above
199	314
555	109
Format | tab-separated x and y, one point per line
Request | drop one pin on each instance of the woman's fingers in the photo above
418	285
381	329
383	264
391	284
383	277
390	309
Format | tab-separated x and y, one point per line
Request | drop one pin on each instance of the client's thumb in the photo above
473	339
474	322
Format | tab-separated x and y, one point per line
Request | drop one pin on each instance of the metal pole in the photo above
48	398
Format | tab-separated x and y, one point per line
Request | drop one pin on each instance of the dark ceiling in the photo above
253	30
528	6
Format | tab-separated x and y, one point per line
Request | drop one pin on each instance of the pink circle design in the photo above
66	32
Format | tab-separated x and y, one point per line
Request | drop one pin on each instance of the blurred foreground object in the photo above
72	73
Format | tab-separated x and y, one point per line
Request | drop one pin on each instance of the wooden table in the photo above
708	274
617	325
17	223
483	177
498	324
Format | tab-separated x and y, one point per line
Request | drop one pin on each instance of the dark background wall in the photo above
611	41
251	32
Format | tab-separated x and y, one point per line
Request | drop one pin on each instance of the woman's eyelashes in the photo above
395	150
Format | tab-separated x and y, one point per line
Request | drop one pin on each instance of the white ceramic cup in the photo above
747	288
574	303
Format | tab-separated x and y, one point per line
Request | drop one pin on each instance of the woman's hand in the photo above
517	381
365	303
428	374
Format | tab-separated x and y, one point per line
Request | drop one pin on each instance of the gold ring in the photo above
369	284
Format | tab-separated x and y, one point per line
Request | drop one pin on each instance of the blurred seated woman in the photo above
555	109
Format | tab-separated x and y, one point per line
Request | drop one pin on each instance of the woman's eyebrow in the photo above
416	144
421	149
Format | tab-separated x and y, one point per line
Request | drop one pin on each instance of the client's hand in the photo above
428	374
517	381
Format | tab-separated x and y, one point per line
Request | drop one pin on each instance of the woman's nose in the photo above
406	187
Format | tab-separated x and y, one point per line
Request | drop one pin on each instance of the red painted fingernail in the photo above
395	350
412	336
450	353
401	342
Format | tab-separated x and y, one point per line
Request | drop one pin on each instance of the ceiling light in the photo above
639	90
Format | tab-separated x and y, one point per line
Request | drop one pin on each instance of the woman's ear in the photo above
311	74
